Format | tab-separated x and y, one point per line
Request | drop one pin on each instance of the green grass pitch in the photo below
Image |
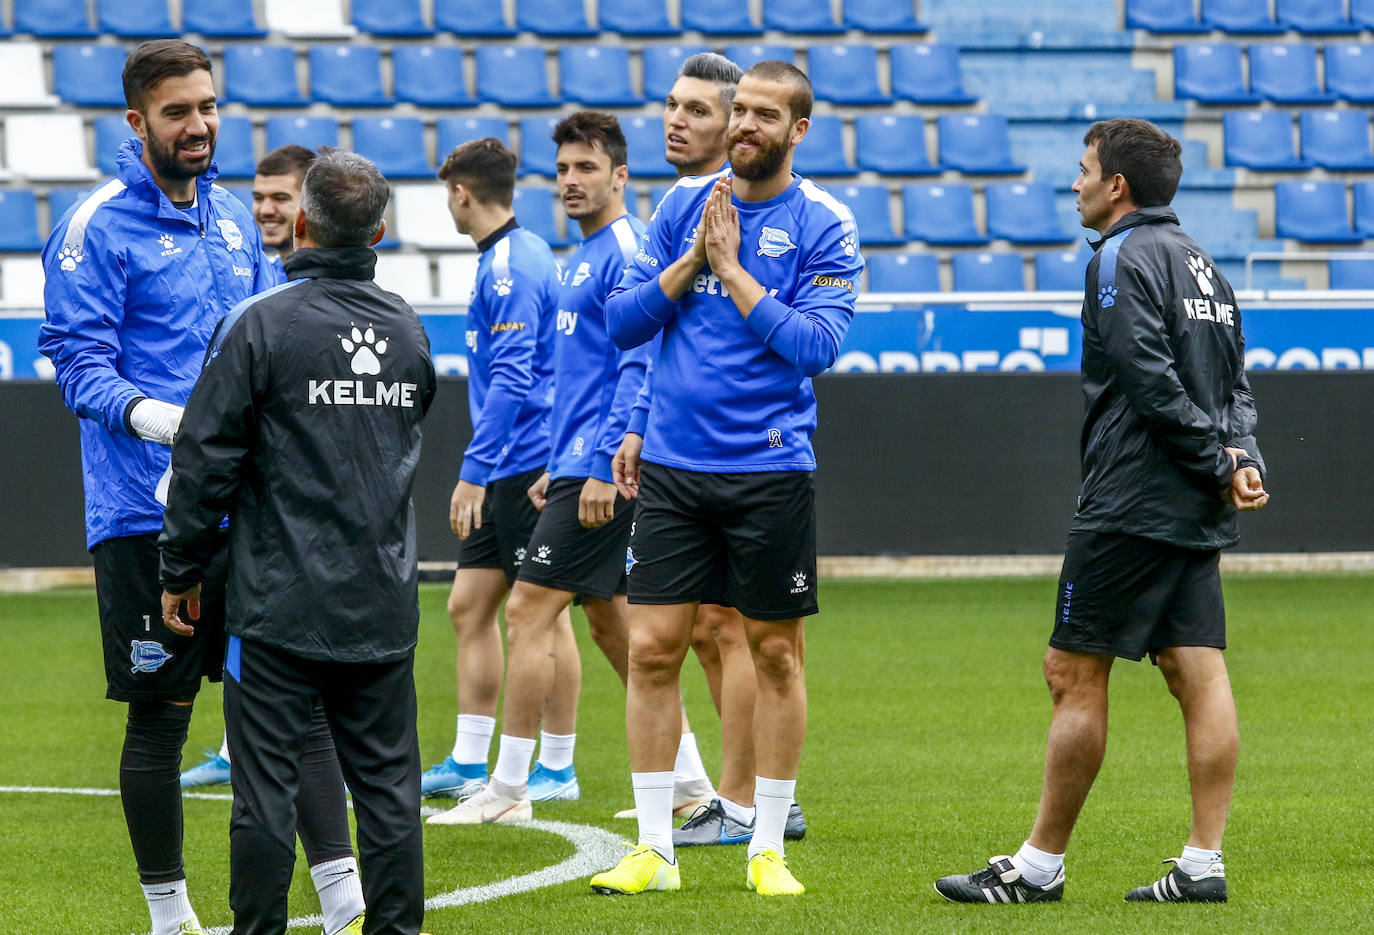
923	757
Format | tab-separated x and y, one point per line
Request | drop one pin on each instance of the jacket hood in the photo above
331	263
134	174
1160	214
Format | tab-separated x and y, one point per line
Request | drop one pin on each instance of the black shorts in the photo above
143	659
508	518
746	541
566	556
1126	596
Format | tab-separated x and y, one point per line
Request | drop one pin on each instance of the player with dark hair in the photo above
510	340
1169	457
577	549
749	276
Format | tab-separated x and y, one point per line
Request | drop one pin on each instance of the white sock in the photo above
556	750
473	742
654	807
169	906
513	761
1038	868
1196	860
224	748
736	811
772	799
688	766
341	891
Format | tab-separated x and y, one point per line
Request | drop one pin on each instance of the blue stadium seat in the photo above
310	132
845	74
903	272
1336	139
227	19
430	75
976	144
748	54
719	18
940	214
513	76
822	150
60	201
1363	196
872	210
472	18
1350	70
1163	16
390	18
552	18
1286	72
881	16
661	65
53	19
1362	13
143	19
395	144
989	272
234	155
1260	139
538	155
800	16
1061	270
928	74
347	75
1351	274
1313	212
636	17
1315	16
1239	16
656	193
534	209
597	75
110	131
1024	213
19	221
893	144
644	145
261	75
455	131
88	75
243	193
1211	73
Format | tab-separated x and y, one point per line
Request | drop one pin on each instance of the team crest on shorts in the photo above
629	560
233	237
147	655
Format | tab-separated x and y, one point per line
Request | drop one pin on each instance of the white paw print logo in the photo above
519	555
502	285
799	580
544	551
1202	273
166	241
70	255
365	348
849	245
1106	296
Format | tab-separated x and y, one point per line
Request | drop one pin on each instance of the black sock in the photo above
150	787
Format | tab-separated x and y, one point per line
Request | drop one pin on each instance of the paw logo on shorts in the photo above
365	348
1202	273
630	561
502	286
541	555
1106	296
70	255
799	582
147	655
520	555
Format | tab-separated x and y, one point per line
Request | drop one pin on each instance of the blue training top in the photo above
732	394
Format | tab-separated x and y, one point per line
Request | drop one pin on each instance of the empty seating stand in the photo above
928	74
1313	212
1314	16
1164	16
881	16
261	75
1260	139
137	19
513	76
88	75
636	18
1350	71
1210	73
941	214
903	272
1286	72
347	75
430	75
988	272
1337	139
872	210
846	74
976	144
402	18
597	75
1239	16
893	144
221	19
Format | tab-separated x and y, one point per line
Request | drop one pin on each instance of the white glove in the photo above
155	421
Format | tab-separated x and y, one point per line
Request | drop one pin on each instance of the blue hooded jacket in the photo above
135	287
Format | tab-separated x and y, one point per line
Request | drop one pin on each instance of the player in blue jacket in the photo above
577	550
510	329
750	277
139	273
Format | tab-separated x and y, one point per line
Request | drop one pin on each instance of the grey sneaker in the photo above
796	824
710	825
1177	887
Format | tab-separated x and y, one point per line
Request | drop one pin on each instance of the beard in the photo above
764	162
168	165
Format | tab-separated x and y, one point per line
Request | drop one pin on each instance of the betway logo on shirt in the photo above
365	350
710	284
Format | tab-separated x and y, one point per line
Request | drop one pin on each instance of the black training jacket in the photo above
304	428
1164	387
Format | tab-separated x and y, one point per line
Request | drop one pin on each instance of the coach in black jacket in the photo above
305	430
1169	456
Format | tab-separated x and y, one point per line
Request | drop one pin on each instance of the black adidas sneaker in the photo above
1000	883
1177	887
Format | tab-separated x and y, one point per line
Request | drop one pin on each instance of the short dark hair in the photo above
152	62
799	101
485	167
343	197
716	68
290	159
593	127
1146	156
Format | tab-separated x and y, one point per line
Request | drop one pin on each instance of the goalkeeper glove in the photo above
153	420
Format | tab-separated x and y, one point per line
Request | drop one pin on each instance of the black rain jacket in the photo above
304	428
1164	387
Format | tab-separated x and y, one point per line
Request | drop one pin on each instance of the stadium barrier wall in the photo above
910	464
